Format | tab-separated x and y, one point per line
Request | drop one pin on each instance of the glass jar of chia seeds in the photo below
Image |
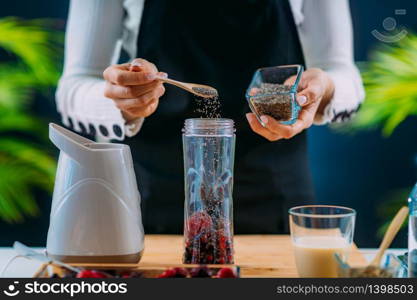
209	146
273	91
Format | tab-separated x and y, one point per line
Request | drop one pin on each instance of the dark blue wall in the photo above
359	170
356	171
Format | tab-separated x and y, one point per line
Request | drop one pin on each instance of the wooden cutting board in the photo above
257	255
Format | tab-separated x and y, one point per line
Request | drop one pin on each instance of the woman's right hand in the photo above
134	88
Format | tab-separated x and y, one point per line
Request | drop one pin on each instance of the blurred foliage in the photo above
33	65
390	205
390	79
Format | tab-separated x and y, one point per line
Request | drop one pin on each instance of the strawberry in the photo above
180	272
199	272
91	274
130	274
198	222
225	273
208	239
169	273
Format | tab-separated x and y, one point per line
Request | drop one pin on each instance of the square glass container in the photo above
271	93
391	267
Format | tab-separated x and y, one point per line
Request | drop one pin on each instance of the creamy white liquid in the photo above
314	255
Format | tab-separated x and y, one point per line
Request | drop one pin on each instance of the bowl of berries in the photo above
200	272
179	271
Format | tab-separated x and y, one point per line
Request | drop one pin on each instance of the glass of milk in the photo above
317	233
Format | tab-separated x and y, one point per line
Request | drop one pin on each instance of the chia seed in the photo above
208	107
208	92
268	101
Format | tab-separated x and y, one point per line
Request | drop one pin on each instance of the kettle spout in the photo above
72	144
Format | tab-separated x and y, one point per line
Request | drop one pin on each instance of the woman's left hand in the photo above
315	90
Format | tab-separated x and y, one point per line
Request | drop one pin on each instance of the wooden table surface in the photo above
257	255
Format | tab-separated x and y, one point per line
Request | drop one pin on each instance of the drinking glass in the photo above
318	232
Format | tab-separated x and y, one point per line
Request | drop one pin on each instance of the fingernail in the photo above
137	64
134	68
264	119
302	100
164	75
150	76
253	91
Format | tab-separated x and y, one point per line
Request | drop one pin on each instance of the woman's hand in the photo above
133	88
315	90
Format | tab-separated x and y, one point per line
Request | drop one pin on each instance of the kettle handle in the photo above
70	143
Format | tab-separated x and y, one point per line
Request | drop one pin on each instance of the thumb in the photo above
302	99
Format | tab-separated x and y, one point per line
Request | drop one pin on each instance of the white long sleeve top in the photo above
97	29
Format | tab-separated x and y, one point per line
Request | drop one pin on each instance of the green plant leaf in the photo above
31	155
35	66
22	167
397	117
390	79
35	44
16	86
390	205
20	121
16	198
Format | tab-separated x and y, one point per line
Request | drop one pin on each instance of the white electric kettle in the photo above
95	214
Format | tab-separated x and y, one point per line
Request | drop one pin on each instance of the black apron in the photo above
219	43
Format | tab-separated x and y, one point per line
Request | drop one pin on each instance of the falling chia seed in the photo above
268	101
208	107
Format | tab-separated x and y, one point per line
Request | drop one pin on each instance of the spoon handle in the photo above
176	83
390	234
191	87
179	84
